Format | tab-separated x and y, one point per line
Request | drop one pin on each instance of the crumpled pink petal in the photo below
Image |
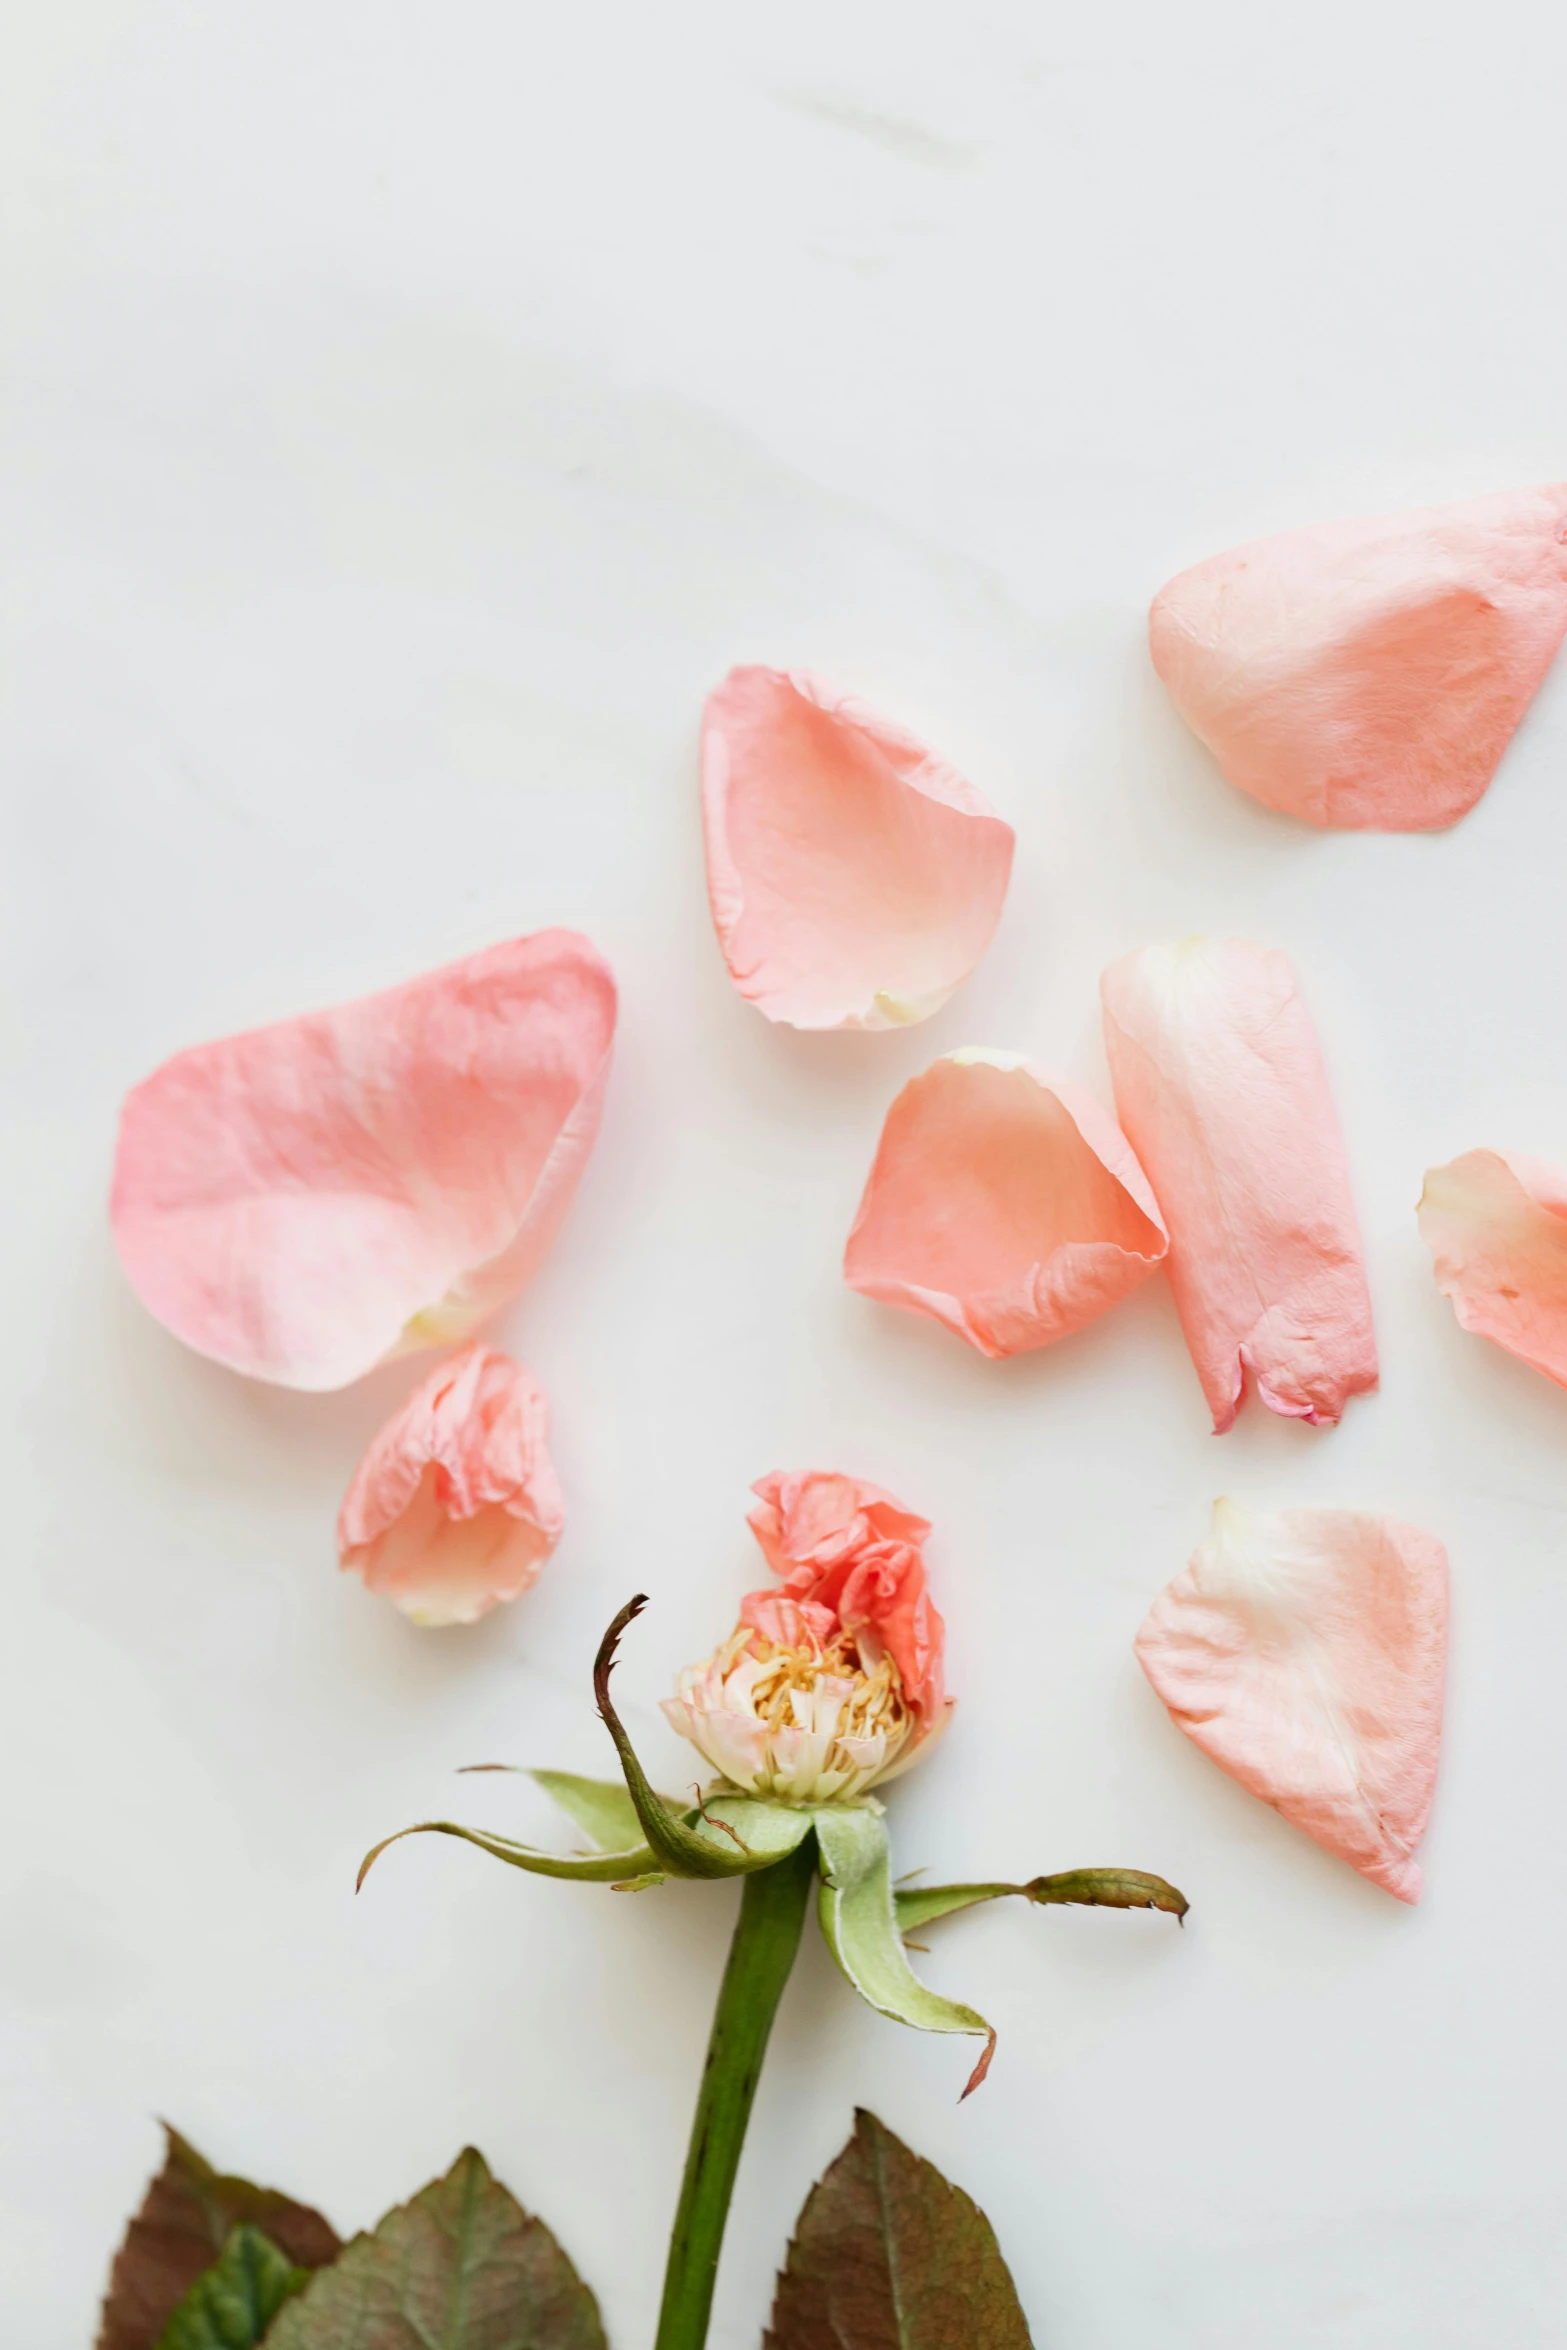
456	1504
303	1201
1004	1204
1370	674
1496	1224
849	1556
855	880
1220	1088
1306	1652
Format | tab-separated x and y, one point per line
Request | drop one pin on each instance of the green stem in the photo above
772	1914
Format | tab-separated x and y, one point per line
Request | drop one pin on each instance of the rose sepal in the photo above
603	1809
732	1836
922	1905
583	1868
860	1927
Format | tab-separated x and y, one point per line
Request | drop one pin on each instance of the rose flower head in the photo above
831	1681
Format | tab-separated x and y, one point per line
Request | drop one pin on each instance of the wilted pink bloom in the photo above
1306	1652
832	1681
1220	1087
1496	1224
1370	674
302	1201
456	1505
1004	1204
855	880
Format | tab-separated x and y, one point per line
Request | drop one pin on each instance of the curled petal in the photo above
1306	1652
820	1519
456	1505
1220	1087
855	880
1370	674
1496	1224
1004	1204
852	1559
302	1201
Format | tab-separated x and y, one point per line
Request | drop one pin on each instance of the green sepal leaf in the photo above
186	2218
690	1845
461	2267
764	1831
601	1808
1089	1888
583	1868
861	1930
887	2255
231	2307
740	1833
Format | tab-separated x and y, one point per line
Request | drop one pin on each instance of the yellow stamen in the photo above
875	1705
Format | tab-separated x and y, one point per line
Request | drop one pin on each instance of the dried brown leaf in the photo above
178	2234
888	2255
462	2266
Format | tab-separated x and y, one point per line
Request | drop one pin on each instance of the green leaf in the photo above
231	2307
184	2222
461	2267
739	1834
582	1868
888	2256
855	1907
920	1905
764	1831
601	1808
679	1849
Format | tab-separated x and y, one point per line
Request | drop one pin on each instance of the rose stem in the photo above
767	1935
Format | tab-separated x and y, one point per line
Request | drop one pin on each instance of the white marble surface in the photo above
406	411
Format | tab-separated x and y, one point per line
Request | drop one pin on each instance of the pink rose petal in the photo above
1220	1088
1371	674
455	1506
855	880
1004	1204
304	1200
1496	1224
1306	1652
850	1556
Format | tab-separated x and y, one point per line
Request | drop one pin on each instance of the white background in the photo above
407	411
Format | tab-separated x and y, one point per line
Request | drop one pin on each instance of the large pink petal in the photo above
1004	1204
456	1504
304	1200
1496	1224
855	881
1306	1652
1220	1087
1370	674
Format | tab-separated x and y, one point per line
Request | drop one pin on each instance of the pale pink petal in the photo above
734	1743
855	880
1496	1224
1220	1088
302	1201
1004	1204
456	1505
1306	1652
1370	674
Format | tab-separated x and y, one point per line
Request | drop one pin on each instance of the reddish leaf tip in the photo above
982	2068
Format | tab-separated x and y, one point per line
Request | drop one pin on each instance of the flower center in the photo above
786	1682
